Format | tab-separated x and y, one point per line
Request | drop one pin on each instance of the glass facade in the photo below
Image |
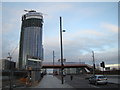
31	38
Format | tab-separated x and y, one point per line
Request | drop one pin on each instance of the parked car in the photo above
98	79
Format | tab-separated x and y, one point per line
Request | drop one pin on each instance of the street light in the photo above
62	66
10	71
93	64
53	61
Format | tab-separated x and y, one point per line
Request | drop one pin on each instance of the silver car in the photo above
98	79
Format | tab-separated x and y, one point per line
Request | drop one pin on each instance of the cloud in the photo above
85	33
53	10
76	44
54	7
0	30
9	24
80	43
110	27
15	54
7	27
11	48
60	0
109	56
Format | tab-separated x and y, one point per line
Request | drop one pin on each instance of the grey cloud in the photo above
75	47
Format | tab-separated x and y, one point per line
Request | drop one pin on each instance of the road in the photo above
79	81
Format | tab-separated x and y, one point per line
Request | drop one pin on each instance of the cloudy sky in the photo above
90	26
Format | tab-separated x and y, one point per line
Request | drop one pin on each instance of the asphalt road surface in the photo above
79	81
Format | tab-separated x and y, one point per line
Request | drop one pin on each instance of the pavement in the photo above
50	81
114	79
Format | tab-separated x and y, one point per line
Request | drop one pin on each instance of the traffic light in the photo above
102	64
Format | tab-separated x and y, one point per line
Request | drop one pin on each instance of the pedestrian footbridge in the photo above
57	65
66	65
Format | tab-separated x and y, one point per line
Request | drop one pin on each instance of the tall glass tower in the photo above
31	38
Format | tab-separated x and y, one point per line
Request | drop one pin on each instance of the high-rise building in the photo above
31	39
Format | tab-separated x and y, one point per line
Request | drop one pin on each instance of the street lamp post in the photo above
10	71
93	64
53	60
62	66
79	61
